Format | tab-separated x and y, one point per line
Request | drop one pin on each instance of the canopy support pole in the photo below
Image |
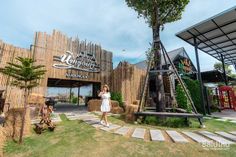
199	77
224	72
78	95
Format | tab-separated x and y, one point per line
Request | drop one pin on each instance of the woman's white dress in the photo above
105	107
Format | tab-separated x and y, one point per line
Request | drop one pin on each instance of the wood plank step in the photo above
197	138
215	137
139	133
156	135
123	130
176	137
227	135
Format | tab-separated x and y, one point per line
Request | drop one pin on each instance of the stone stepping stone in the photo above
176	137
92	121
139	133
215	137
73	118
91	118
223	120
87	118
233	132
56	118
123	130
156	135
97	125
111	127
197	138
227	135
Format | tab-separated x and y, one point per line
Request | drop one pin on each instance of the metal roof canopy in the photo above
215	36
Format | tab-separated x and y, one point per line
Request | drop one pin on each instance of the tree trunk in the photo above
26	94
160	97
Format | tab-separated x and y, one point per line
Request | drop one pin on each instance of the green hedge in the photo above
117	97
182	99
195	92
167	122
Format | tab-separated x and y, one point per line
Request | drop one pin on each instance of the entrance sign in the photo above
185	66
83	61
76	76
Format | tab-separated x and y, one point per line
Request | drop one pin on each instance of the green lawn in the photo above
77	139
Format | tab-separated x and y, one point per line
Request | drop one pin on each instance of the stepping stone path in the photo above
139	133
156	135
123	130
176	137
111	127
227	135
196	137
233	121
233	132
215	137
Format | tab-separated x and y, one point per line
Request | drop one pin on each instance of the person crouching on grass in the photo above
106	104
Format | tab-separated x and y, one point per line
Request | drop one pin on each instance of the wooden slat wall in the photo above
45	47
8	52
128	80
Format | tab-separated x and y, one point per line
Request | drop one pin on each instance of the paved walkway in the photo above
225	115
154	134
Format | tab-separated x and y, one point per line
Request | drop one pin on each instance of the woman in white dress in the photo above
106	104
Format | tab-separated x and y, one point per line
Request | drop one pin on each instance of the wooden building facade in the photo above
69	63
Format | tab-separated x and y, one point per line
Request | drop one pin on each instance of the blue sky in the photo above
107	22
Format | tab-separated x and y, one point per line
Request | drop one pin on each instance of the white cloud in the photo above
107	22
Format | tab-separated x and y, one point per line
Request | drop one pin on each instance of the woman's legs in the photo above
102	117
105	117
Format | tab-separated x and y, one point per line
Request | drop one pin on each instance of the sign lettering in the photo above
83	61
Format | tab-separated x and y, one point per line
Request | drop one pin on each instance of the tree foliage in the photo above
117	97
25	76
158	12
219	66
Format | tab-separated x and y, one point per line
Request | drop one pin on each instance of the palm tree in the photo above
25	76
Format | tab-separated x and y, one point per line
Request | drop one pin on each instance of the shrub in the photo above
175	122
117	97
182	99
74	99
167	122
194	90
152	120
